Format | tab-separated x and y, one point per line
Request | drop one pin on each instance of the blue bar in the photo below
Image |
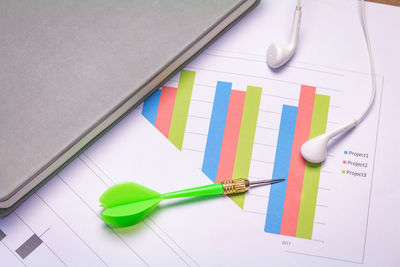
150	107
216	129
281	169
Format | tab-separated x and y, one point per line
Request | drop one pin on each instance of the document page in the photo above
227	115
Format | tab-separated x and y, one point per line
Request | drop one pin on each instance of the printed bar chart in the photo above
230	140
297	163
291	205
2	235
181	108
246	138
216	130
167	109
29	246
150	107
281	169
231	130
231	134
312	171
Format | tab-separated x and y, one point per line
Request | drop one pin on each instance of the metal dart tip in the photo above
277	180
265	182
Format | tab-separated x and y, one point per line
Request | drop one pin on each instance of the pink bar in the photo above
297	164
165	109
231	136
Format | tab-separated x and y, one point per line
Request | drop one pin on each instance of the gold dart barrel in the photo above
242	185
235	186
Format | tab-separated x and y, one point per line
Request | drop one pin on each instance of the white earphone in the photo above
279	54
315	149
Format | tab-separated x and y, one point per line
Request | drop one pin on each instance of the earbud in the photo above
279	54
315	149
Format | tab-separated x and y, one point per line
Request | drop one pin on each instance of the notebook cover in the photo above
66	65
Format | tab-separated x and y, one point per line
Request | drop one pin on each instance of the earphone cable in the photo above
371	62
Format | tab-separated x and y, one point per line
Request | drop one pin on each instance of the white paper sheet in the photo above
356	218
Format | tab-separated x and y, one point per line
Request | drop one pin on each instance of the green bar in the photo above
312	171
181	108
246	138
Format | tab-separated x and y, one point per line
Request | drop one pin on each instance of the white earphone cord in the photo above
371	63
315	149
354	122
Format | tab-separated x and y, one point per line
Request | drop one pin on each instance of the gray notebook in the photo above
70	69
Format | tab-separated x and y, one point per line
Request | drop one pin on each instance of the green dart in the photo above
128	203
